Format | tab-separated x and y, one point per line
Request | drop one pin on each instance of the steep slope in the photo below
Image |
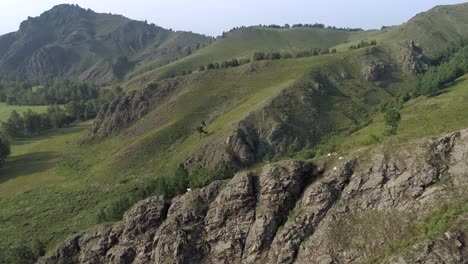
254	111
73	42
300	212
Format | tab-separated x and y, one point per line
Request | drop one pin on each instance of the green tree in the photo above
392	120
4	148
258	56
15	124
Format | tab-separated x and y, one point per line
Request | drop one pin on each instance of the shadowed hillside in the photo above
74	42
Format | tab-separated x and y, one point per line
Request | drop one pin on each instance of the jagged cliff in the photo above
334	210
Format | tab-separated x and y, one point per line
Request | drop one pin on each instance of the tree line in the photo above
299	25
225	64
48	92
259	56
56	116
363	44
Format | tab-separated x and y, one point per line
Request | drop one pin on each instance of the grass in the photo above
52	189
242	44
439	222
48	190
5	110
421	117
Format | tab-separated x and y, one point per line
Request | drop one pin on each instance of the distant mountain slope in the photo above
242	43
74	42
433	29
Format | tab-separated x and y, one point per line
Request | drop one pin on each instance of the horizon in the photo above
213	18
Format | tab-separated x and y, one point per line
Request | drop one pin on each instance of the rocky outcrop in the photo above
122	112
411	58
52	60
330	211
99	73
374	72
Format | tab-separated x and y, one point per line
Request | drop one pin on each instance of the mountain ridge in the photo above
66	36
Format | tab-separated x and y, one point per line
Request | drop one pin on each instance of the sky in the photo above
212	17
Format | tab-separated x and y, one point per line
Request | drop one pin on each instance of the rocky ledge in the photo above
335	210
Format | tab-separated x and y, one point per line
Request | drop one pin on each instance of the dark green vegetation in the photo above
436	78
5	148
284	101
392	119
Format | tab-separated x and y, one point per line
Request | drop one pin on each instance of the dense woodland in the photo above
48	92
68	102
454	63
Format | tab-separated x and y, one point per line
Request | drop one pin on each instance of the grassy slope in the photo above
5	110
53	187
242	44
421	117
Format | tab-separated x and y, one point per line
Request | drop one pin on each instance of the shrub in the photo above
392	120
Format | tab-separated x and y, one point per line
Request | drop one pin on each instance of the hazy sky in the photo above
211	17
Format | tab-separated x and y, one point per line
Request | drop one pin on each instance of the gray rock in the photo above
293	212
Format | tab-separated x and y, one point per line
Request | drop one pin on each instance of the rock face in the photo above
122	112
334	211
374	72
296	116
411	58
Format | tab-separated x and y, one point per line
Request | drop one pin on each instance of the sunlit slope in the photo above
243	43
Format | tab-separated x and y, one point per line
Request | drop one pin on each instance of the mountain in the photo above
73	42
268	158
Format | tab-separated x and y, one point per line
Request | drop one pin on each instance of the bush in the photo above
258	56
292	149
392	120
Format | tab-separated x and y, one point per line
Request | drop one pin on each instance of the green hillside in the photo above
242	43
56	184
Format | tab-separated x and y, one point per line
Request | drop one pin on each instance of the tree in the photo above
210	66
275	56
234	63
201	129
392	120
15	124
4	149
258	56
